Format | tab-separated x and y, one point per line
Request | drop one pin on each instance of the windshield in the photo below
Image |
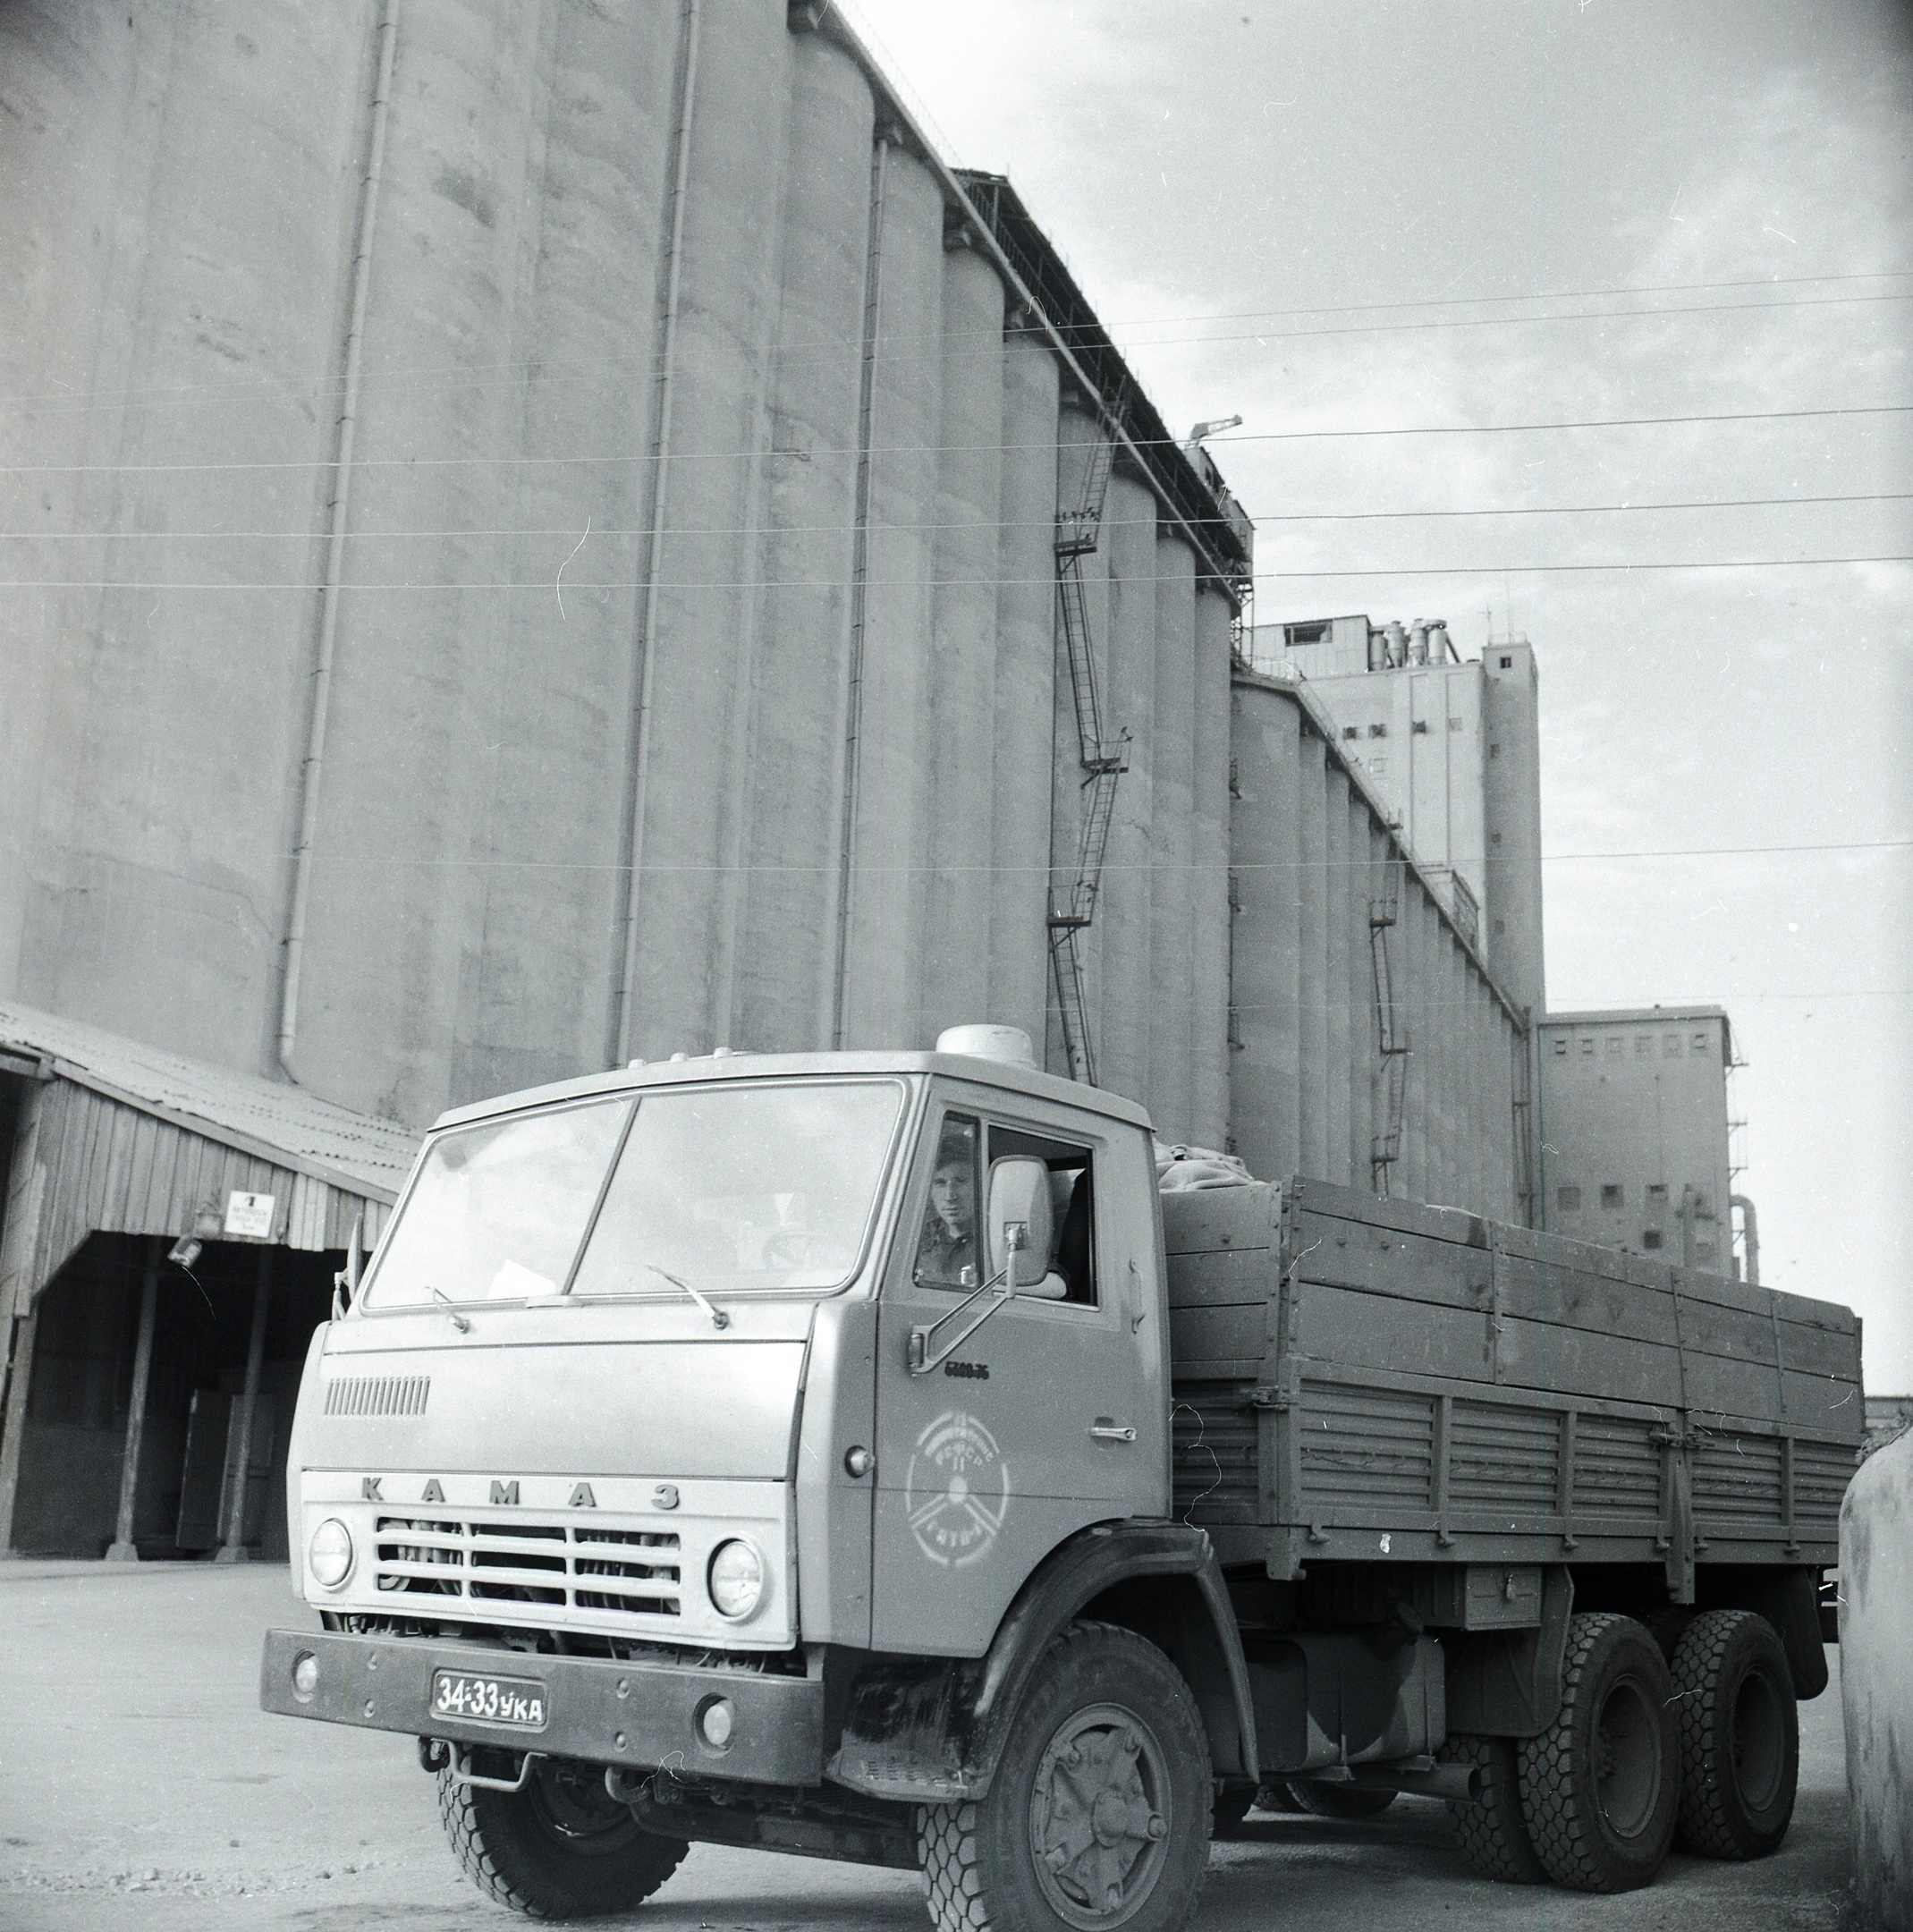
744	1187
498	1211
727	1188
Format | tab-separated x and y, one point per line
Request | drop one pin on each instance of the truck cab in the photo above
897	1457
774	1378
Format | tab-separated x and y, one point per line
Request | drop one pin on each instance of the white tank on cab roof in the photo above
984	1042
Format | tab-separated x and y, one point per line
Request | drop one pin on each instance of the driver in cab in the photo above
947	1253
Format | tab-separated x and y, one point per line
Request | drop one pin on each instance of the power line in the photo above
1461	322
1729	851
1586	423
110	535
538	370
1534	570
462	586
893	349
994	869
1725	503
1581	294
932	449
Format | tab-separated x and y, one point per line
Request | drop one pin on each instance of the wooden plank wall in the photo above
1348	1364
85	1163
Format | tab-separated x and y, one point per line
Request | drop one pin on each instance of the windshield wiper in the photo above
457	1321
719	1320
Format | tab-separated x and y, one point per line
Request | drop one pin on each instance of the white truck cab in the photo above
670	1391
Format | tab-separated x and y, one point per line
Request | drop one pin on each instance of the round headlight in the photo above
736	1579
329	1554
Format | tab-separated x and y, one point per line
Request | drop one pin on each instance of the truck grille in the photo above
634	1572
377	1395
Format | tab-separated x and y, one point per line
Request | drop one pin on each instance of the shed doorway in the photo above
183	1483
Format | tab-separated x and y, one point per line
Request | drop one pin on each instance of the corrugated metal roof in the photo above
282	1125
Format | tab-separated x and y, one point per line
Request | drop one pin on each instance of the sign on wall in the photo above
250	1214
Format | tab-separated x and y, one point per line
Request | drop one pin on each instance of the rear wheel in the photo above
562	1848
1740	1735
1492	1835
1339	1800
1600	1785
1098	1815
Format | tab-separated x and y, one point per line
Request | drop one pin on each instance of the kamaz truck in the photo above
897	1457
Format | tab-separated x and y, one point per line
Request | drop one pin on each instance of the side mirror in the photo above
1021	1220
345	1282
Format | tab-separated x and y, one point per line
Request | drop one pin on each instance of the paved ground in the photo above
140	1787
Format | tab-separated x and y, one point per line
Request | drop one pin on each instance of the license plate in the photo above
516	1702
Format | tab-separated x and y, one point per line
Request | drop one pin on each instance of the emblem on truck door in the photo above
956	1491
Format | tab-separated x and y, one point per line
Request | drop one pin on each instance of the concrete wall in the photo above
768	758
687	671
1315	862
1418	733
1511	818
1636	1101
1877	1682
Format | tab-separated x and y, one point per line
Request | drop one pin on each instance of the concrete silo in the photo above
656	639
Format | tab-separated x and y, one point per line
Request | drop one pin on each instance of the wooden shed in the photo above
169	1233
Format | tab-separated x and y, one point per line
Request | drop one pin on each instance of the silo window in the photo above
1614	1049
1610	1196
1455	724
1671	1047
1494	751
1420	727
1643	1046
1507	664
1656	1193
1700	1043
1378	731
1352	731
1560	1049
1587	1047
1568	1200
1651	1240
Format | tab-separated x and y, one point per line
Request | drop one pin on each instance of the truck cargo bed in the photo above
1363	1378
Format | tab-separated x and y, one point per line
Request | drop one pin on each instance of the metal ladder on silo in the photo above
1385	1147
1078	530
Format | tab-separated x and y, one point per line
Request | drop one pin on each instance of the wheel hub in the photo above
1095	1822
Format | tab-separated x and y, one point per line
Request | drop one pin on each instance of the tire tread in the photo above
1561	1814
1491	1834
948	1837
1709	1820
458	1811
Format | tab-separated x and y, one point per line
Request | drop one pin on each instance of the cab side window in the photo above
947	1249
1073	1264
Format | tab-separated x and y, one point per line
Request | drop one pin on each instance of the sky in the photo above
1381	216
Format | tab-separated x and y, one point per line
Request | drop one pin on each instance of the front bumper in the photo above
641	1714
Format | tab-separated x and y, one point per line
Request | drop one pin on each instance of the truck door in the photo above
1048	1417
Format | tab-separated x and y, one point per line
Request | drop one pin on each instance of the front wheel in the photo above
1098	1815
562	1848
